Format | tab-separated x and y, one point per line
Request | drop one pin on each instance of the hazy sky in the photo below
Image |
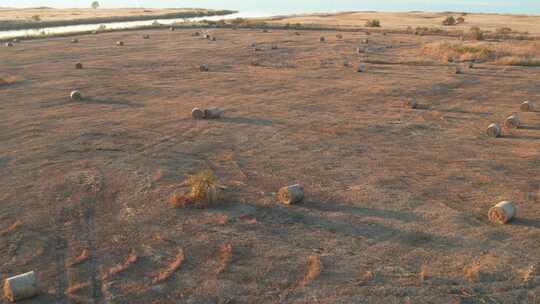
295	6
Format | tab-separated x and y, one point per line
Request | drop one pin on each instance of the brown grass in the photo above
131	259
313	270
500	53
224	255
180	200
75	288
171	268
10	228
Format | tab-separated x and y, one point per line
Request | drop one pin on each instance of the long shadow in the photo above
368	212
112	102
466	112
284	216
526	222
248	121
528	127
525	137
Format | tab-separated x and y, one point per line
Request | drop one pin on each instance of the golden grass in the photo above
171	268
204	191
204	188
499	53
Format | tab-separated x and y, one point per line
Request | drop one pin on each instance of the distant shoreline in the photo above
25	24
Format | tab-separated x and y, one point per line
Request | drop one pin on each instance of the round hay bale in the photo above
9	44
197	113
20	287
471	65
458	71
207	36
253	44
16	40
359	68
290	195
512	122
146	36
322	39
213	113
265	31
365	41
74	40
196	34
274	46
75	95
172	29
78	66
494	130
339	36
213	38
411	104
527	106
360	50
120	43
204	68
502	213
297	33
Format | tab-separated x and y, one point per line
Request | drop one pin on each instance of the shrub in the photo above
460	20
449	21
204	191
36	18
373	23
476	33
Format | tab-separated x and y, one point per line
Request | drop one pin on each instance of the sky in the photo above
300	6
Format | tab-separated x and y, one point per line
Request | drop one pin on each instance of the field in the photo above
396	198
402	20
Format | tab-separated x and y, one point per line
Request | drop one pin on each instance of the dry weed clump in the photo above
313	270
204	191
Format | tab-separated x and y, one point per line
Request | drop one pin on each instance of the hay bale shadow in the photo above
248	121
112	102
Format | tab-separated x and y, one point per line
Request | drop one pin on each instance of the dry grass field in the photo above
402	20
396	199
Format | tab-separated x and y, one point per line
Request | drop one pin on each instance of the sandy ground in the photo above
48	14
396	199
401	21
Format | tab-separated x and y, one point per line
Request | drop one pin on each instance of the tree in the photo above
95	5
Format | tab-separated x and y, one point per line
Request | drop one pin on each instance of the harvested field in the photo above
396	199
